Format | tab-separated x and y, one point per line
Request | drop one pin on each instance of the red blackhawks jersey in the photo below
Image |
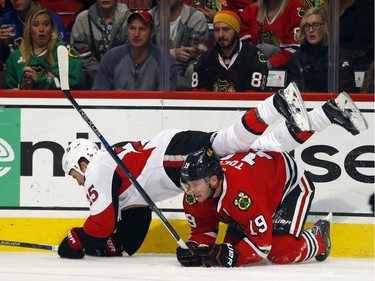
279	31
254	185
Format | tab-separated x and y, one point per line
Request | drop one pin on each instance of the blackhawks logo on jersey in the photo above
243	201
190	199
223	86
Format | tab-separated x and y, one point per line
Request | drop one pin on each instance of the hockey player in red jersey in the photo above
119	217
263	196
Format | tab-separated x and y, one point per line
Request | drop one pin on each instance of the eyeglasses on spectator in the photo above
315	26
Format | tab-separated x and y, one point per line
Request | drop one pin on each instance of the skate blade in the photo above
294	99
329	218
345	103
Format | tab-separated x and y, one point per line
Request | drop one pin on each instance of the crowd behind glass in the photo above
89	29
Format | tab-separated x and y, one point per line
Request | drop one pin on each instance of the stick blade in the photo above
63	61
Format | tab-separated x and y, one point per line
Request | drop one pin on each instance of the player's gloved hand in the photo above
110	249
218	255
71	246
190	256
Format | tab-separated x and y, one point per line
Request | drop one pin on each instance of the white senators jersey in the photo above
109	190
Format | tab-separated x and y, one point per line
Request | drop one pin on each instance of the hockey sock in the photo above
288	249
267	111
252	122
319	120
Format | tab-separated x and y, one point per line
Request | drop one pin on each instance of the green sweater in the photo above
46	72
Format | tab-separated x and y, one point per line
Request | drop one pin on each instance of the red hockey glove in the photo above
71	246
110	249
190	256
218	255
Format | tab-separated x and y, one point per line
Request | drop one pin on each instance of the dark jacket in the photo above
357	34
308	67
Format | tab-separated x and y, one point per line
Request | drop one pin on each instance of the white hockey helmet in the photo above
75	151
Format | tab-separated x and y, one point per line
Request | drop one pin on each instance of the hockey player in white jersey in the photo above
119	216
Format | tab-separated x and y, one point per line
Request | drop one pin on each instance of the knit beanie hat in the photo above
230	18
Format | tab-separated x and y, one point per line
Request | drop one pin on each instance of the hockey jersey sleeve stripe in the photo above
292	171
203	238
260	251
173	161
302	207
289	47
173	164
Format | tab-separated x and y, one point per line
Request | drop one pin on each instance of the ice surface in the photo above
40	266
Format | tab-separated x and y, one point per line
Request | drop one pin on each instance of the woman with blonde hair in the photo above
271	25
13	22
308	67
34	65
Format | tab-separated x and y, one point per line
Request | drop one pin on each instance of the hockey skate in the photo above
342	111
290	105
323	227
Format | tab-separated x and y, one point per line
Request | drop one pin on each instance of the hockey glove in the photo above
71	246
110	249
218	255
190	256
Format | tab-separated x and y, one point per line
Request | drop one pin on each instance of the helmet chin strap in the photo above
212	191
208	182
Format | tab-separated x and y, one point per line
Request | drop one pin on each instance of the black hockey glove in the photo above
71	246
110	249
218	255
190	256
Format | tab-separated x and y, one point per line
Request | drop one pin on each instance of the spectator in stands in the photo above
34	65
11	36
271	25
356	31
209	8
230	66
308	67
188	38
134	5
67	10
95	31
5	6
134	66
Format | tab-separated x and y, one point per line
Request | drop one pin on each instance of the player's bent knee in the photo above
132	229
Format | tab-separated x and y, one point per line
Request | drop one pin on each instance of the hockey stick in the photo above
28	245
63	62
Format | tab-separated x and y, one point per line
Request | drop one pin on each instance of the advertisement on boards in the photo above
33	139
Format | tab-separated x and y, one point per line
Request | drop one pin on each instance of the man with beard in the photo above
230	66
